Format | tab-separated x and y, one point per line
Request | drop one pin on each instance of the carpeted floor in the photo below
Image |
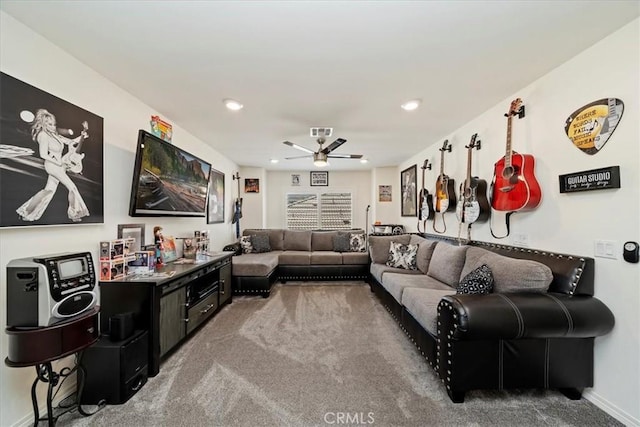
318	355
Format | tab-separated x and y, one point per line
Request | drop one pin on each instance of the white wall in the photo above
386	212
253	204
570	223
30	58
279	184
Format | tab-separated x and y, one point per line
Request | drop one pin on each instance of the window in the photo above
312	211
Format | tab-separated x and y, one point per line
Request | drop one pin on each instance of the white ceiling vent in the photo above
320	132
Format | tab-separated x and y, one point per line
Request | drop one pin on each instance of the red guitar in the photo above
514	186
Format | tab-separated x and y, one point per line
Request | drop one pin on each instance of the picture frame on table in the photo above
135	231
319	178
408	186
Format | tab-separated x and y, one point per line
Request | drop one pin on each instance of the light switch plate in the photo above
520	239
605	249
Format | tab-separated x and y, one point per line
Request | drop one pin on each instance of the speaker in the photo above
114	370
120	326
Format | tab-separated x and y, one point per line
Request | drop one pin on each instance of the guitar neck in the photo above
468	182
442	162
509	152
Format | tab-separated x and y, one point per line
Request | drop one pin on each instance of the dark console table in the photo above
39	346
170	308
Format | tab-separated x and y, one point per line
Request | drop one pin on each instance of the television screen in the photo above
167	181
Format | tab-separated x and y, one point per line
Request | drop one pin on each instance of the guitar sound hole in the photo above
508	172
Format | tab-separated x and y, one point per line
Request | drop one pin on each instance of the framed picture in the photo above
319	179
251	185
35	191
135	231
408	205
384	193
295	179
215	205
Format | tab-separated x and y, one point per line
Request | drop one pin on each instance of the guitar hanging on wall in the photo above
473	205
237	208
445	199
514	187
426	202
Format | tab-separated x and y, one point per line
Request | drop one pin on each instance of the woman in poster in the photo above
51	145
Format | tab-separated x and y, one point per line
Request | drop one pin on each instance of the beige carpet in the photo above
318	355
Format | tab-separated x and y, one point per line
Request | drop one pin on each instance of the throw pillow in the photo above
245	243
341	242
403	256
478	282
260	243
358	242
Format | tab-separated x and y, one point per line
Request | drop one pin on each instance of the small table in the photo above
40	346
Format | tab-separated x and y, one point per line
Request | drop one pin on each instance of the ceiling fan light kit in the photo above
320	157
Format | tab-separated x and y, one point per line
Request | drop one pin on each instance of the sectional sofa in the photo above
535	329
297	255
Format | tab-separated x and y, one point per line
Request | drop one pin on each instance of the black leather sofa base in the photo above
255	285
323	272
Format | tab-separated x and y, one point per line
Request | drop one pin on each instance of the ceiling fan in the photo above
320	157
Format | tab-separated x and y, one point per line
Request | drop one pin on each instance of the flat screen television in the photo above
167	181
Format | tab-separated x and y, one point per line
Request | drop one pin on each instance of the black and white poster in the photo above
51	159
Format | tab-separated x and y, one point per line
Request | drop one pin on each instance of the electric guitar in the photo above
514	186
237	211
426	201
472	201
445	199
73	158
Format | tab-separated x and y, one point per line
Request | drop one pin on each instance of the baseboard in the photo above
68	390
611	409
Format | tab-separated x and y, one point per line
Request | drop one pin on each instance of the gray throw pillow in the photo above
342	242
260	243
478	282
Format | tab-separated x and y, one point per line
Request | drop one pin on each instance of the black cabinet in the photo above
115	370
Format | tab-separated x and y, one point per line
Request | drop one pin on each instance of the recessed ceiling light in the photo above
274	160
411	105
364	161
232	104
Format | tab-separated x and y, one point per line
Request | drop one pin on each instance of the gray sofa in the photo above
536	329
296	255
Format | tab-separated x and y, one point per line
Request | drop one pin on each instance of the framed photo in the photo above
295	179
319	178
35	191
384	193
251	185
135	231
408	204
215	205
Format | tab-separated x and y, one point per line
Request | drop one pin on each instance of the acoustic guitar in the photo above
73	158
514	186
426	201
445	199
473	204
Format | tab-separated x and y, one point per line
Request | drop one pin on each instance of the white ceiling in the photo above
342	64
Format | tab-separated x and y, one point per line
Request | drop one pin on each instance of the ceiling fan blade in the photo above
345	156
297	157
335	144
291	144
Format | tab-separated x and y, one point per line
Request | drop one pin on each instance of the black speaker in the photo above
120	326
115	370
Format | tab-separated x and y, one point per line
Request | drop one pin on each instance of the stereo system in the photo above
47	289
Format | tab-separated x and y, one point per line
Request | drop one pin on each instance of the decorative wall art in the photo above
251	185
64	184
215	204
595	179
408	205
384	193
295	179
591	126
319	178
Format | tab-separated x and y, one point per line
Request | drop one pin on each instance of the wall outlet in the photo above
605	249
520	239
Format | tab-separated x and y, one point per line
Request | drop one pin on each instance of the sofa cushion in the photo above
379	246
254	264
297	240
245	244
378	271
403	256
477	282
322	240
325	257
355	258
447	262
396	283
358	242
260	243
471	261
341	242
425	251
422	304
276	236
295	258
516	275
